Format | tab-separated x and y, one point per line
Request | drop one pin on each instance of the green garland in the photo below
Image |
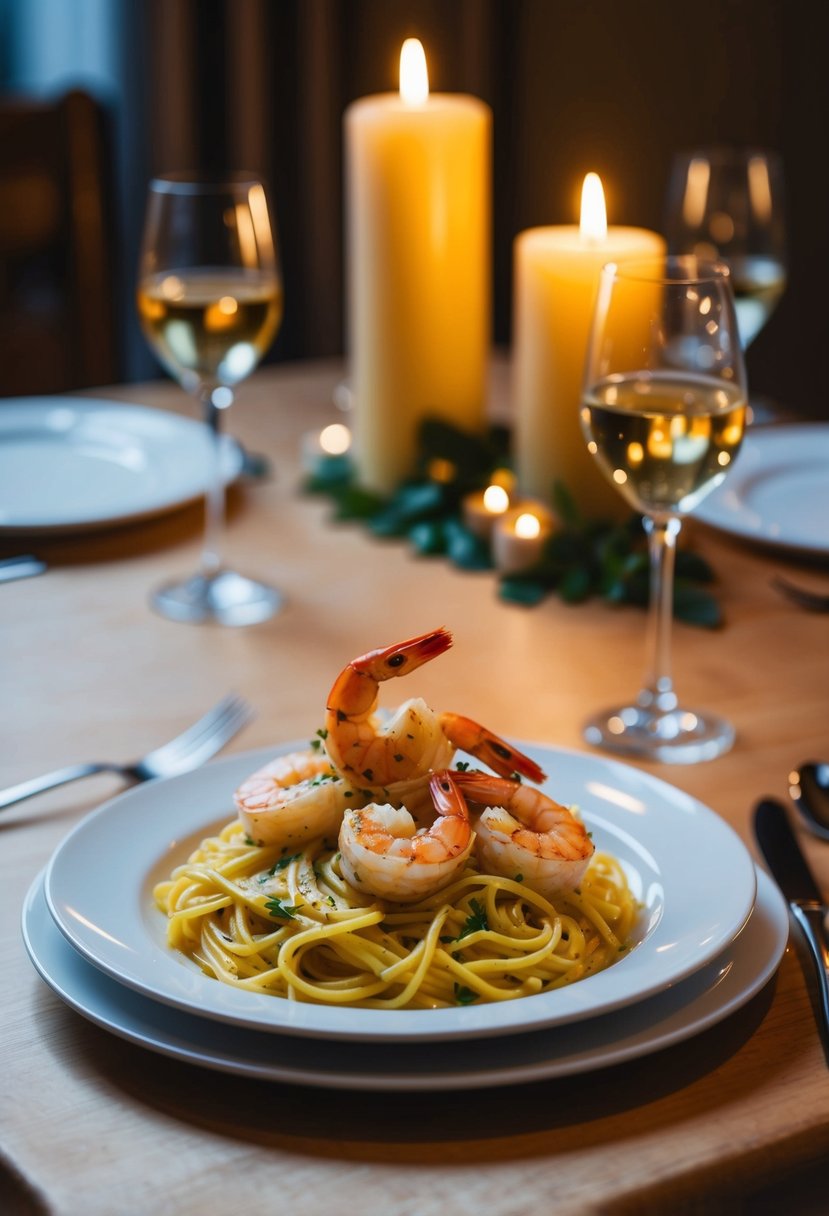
583	558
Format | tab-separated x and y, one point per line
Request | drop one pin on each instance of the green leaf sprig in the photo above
583	558
587	558
277	908
476	922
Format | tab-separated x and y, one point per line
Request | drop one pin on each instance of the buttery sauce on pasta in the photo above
289	924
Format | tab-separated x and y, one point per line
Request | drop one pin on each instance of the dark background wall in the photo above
612	85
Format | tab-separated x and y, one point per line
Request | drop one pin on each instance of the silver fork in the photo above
187	751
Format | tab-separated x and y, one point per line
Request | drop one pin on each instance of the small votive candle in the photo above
519	537
482	508
333	440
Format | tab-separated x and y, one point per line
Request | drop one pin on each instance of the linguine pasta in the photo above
289	924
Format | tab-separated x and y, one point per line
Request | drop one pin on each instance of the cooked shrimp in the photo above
415	741
410	743
384	854
293	798
524	832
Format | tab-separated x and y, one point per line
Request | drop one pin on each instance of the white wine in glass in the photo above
209	299
663	413
728	204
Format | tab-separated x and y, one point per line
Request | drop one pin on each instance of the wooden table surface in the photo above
92	1124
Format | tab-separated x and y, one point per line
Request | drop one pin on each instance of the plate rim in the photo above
712	511
182	427
174	981
707	986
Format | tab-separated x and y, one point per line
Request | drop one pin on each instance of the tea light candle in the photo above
333	440
418	266
556	280
483	507
519	537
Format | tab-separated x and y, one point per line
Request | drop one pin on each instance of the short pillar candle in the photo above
519	537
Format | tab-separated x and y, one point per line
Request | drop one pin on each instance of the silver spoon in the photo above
809	790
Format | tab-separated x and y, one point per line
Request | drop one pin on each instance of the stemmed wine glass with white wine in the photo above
210	303
727	203
663	412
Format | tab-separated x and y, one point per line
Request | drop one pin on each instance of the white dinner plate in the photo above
79	464
778	491
698	1002
692	873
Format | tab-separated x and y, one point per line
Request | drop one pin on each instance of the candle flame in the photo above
593	224
335	439
527	526
496	499
414	75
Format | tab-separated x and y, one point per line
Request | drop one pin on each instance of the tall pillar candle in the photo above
556	274
418	267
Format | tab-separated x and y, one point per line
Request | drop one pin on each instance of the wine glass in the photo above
210	303
728	204
663	413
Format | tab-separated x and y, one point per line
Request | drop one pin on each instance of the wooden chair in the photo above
58	295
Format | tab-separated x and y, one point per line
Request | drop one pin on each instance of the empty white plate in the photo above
79	464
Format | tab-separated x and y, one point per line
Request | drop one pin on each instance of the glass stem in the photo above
658	691
214	500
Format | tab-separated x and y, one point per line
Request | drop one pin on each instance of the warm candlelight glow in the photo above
414	75
496	499
483	508
557	275
696	191
520	536
759	188
593	224
527	526
418	167
335	439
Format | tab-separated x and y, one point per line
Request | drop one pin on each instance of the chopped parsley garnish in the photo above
277	908
283	863
462	766
519	878
475	922
464	996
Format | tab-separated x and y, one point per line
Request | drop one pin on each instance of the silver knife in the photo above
786	862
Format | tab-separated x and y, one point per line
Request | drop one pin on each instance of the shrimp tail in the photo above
490	748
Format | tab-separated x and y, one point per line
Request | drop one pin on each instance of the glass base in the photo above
675	736
225	597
